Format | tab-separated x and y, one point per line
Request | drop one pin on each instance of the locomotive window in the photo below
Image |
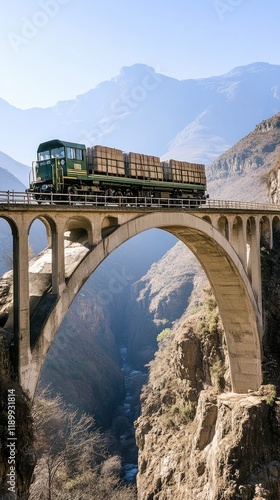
79	154
57	153
44	155
71	153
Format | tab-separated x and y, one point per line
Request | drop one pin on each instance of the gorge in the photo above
195	437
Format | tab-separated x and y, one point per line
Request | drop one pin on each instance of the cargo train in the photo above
66	167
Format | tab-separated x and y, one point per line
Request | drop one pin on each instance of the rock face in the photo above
196	439
274	182
158	300
242	172
25	456
213	457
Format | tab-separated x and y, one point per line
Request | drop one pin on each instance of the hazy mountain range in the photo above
143	111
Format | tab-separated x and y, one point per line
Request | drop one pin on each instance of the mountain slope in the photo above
241	173
13	175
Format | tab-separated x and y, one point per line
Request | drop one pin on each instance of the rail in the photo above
11	198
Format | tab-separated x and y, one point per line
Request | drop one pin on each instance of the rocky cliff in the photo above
17	458
196	439
274	182
242	172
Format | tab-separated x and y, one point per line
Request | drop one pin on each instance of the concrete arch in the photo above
275	229
223	226
47	220
207	219
276	223
239	311
265	232
79	227
108	225
12	224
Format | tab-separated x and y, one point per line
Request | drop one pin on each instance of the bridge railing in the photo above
96	200
12	198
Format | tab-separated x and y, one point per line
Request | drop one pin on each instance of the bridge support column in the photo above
238	239
21	304
58	260
271	236
96	232
254	260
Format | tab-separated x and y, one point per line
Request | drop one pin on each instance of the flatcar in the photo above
66	167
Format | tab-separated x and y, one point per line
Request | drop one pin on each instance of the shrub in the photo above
217	374
167	332
187	413
271	396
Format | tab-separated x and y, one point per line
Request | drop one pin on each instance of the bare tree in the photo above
73	462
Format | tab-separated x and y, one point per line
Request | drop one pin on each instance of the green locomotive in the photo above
66	167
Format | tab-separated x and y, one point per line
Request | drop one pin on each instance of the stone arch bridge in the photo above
226	238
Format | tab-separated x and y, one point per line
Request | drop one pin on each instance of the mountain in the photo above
10	172
235	102
13	175
144	111
241	173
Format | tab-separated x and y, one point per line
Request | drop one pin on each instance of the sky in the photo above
54	50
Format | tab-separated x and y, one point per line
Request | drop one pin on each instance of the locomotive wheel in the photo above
73	190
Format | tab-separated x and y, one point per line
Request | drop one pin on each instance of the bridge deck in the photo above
16	201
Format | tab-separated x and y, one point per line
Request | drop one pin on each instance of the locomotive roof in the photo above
56	143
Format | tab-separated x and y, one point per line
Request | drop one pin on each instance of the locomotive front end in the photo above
57	166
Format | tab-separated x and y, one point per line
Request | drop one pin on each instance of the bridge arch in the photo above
79	227
207	219
266	231
223	226
276	224
239	311
13	225
108	225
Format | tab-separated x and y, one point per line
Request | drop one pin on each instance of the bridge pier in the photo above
253	263
58	260
22	351
238	238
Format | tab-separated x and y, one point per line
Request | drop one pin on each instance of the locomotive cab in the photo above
57	162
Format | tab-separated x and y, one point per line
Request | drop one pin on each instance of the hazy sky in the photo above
57	49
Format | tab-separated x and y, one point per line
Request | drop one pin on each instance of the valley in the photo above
161	287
